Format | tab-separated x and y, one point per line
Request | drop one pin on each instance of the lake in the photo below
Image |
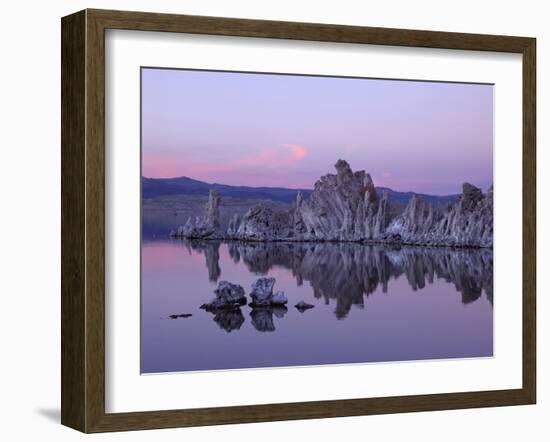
371	304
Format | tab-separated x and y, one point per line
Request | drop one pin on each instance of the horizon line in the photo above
306	189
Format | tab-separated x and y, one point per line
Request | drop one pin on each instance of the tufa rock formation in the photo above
234	224
226	306
207	227
342	207
263	223
347	207
262	294
228	296
467	223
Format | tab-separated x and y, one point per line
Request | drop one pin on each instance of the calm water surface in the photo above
372	304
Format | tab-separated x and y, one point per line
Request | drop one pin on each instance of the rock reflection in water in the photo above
229	319
348	273
436	306
262	317
211	251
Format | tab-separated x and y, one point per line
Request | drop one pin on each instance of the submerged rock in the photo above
228	296
303	306
262	293
180	315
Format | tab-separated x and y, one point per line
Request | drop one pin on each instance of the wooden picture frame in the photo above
83	220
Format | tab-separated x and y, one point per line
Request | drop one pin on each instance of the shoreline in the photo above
334	241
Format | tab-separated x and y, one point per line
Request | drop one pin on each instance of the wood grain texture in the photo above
73	256
145	21
529	220
83	220
95	222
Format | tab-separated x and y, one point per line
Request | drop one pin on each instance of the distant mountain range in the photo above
157	187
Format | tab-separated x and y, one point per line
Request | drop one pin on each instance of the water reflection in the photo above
367	304
262	317
348	273
229	320
211	250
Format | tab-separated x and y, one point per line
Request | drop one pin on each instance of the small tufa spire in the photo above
212	218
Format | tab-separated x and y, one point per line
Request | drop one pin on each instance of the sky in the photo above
286	130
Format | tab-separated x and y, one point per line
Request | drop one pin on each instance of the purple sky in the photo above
284	130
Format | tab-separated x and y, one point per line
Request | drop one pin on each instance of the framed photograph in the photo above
270	220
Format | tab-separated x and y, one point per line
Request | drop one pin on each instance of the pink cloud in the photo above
266	159
298	151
